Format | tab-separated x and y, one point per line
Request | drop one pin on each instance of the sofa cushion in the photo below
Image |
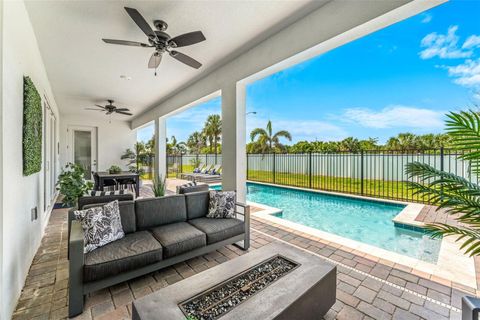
219	229
178	238
155	212
197	204
127	214
195	188
134	251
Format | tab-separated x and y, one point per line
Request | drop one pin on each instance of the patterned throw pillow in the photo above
186	185
221	205
101	225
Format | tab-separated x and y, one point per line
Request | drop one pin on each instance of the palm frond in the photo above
464	128
471	236
257	132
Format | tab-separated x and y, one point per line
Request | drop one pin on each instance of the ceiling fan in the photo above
110	108
161	41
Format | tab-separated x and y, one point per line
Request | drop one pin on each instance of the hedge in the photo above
32	128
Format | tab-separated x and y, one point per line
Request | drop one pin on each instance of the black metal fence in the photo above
375	173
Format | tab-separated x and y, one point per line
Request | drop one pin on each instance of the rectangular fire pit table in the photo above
293	285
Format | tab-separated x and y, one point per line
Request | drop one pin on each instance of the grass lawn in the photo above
374	188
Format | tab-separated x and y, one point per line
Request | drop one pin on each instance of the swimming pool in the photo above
361	220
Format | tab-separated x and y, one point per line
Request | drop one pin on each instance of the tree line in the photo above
266	140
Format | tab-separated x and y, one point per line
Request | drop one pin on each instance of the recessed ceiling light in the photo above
124	77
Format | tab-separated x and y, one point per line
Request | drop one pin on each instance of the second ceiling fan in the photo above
161	41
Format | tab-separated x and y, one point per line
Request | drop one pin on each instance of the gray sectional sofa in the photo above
159	232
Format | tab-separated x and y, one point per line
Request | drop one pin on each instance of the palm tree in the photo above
195	142
213	131
350	144
267	141
403	142
457	195
175	147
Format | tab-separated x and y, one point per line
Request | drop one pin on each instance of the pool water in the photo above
361	220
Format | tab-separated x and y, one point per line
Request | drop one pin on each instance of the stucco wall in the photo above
20	236
113	138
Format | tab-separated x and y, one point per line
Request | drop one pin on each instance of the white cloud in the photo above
467	74
472	42
427	17
395	117
299	129
444	46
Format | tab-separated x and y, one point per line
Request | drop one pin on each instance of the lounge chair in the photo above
205	170
213	176
196	170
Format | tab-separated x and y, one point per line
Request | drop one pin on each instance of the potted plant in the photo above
114	169
72	184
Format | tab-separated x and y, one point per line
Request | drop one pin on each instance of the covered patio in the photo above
367	287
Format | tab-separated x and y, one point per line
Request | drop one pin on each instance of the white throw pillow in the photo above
221	204
101	225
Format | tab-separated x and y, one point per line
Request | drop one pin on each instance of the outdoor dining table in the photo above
102	176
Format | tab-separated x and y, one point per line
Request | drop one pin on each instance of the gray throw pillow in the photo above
101	225
221	205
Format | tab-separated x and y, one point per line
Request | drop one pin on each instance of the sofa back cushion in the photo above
127	214
155	212
88	200
195	188
197	204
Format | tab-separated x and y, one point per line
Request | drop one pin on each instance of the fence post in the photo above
206	158
442	154
310	169
361	172
274	167
247	166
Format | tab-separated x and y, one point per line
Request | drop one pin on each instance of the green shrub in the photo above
114	169
32	128
159	186
72	184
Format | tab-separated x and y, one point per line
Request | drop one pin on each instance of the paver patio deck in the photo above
368	287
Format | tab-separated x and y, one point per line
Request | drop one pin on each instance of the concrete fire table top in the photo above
307	292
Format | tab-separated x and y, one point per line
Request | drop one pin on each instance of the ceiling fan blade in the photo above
185	59
125	113
141	23
97	105
127	43
94	109
122	109
187	39
155	60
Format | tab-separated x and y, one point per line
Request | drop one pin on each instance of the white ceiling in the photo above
83	70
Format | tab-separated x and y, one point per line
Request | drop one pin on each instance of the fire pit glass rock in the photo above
215	302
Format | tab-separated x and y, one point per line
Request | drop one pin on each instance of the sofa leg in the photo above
75	302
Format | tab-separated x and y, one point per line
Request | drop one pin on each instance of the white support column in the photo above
160	147
233	139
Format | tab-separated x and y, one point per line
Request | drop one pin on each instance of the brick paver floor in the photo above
367	287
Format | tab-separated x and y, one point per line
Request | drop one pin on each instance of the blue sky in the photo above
399	79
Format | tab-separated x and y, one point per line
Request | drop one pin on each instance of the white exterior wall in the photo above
112	139
20	237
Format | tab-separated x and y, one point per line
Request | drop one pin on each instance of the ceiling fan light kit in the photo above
161	41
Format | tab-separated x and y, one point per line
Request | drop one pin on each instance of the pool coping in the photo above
451	264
